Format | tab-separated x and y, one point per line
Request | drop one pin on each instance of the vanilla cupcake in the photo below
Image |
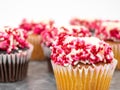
49	36
110	32
82	63
15	53
34	30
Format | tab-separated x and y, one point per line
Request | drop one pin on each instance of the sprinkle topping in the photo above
109	30
36	27
69	50
12	39
49	35
92	24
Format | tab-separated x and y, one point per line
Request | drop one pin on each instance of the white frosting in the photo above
88	40
111	25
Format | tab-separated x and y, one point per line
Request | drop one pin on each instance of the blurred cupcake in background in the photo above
109	31
15	53
49	35
82	63
34	30
91	23
78	31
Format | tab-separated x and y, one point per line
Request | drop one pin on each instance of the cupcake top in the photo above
109	30
69	50
12	39
90	23
36	27
49	35
78	31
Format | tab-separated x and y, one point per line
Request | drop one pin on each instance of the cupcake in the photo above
15	53
50	35
34	30
91	23
77	31
110	32
82	63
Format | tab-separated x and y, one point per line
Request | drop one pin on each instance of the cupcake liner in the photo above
116	50
46	50
85	77
47	53
13	67
37	53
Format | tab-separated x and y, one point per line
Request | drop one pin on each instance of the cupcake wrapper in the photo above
46	50
116	51
84	78
47	53
37	53
13	67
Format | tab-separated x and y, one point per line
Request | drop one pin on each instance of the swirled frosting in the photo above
12	39
69	50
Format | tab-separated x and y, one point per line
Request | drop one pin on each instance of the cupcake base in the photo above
14	66
116	50
46	50
13	71
37	53
85	77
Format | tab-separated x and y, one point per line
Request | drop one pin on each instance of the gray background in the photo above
39	78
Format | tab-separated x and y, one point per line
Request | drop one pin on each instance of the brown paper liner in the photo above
13	67
37	53
85	77
116	50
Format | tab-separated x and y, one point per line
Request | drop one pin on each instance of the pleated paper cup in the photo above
85	77
37	53
46	50
14	66
47	53
116	50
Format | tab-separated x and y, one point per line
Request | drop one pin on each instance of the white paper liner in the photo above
47	53
84	78
37	53
116	50
13	67
46	50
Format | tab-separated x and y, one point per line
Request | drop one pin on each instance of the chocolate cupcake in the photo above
15	53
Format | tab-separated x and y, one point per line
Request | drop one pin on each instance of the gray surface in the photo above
39	78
